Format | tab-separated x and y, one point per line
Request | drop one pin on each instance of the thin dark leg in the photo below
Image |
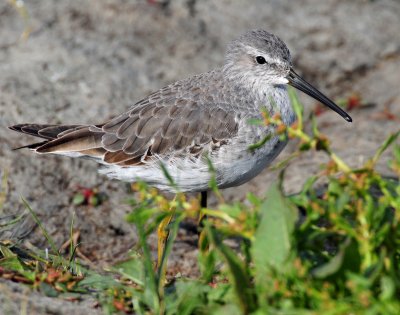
203	199
203	204
203	242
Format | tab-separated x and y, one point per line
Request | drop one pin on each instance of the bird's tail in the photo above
48	132
63	139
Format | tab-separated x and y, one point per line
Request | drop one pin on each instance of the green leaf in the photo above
150	294
260	143
297	107
207	260
272	244
78	199
254	200
131	269
314	126
237	272
94	200
347	259
189	296
388	288
230	309
255	121
97	281
48	290
10	261
142	214
6	252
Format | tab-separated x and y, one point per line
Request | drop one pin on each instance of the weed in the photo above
339	254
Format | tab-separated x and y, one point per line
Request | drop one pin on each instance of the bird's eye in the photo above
260	60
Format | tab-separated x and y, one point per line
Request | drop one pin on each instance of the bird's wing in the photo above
166	128
165	123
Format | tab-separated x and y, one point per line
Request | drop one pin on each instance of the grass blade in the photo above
4	190
297	107
384	146
42	228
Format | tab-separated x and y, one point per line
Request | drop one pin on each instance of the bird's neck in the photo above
246	80
260	94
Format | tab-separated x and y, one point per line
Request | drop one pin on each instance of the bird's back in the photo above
182	126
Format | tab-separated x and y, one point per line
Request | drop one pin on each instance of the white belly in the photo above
234	163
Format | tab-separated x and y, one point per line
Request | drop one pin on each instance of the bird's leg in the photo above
203	204
203	243
203	199
163	233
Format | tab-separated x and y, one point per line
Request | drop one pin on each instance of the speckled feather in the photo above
188	122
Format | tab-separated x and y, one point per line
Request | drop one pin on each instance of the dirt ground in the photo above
86	61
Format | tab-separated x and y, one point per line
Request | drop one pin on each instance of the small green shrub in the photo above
334	250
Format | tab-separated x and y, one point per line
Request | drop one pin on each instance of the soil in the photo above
86	61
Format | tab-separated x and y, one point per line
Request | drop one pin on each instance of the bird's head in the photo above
259	58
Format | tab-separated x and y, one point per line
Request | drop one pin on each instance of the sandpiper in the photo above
188	123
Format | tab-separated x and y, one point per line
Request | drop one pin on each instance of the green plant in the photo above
334	250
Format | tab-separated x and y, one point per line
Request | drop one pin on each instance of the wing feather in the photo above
179	117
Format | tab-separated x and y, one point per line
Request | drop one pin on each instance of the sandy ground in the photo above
86	61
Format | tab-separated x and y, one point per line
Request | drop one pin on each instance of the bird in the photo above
188	124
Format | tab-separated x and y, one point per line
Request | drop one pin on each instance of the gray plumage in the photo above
190	121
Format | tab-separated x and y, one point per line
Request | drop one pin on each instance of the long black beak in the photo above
299	83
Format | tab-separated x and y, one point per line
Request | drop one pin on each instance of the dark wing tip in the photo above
32	146
16	127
